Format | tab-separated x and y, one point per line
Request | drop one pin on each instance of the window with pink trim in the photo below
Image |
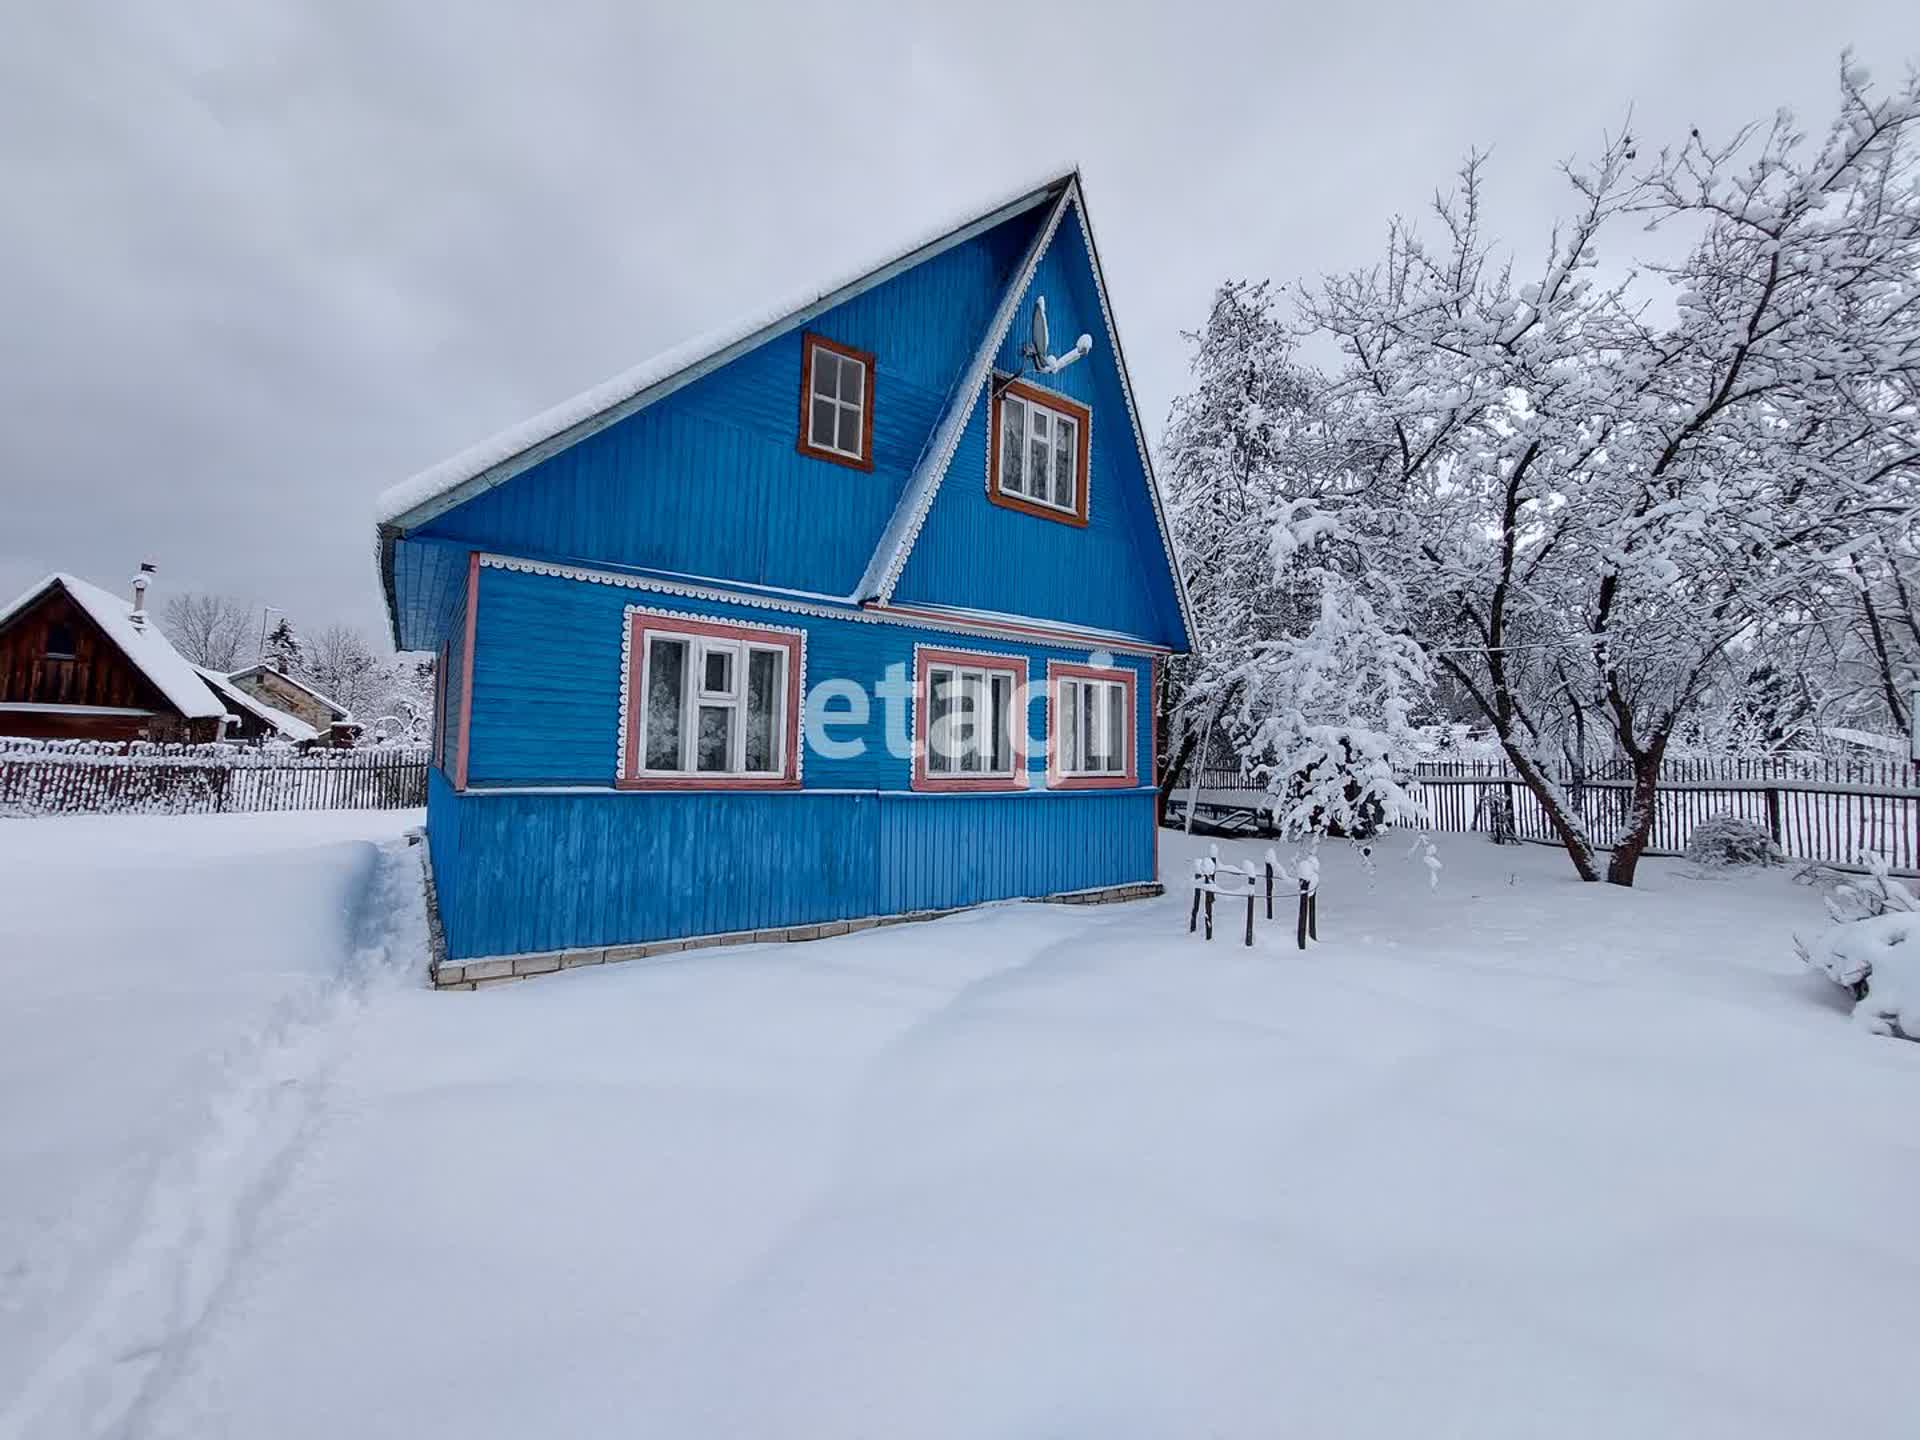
1090	719
440	708
710	704
969	720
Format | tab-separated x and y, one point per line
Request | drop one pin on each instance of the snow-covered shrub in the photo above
1877	959
1729	840
1856	897
1337	782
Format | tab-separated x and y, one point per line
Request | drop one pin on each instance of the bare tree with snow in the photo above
210	630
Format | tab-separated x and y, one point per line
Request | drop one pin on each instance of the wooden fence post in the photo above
1300	931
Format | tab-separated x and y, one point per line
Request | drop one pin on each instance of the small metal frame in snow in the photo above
1211	878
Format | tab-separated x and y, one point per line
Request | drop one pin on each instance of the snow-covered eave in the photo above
493	462
896	542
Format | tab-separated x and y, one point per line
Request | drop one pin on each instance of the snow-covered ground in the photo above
1509	1158
164	979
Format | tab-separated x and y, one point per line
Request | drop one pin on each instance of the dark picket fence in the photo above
1817	810
94	777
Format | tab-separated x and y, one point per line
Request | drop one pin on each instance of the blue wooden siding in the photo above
521	872
521	869
1113	573
546	683
429	577
708	480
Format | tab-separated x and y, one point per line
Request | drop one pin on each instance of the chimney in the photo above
140	583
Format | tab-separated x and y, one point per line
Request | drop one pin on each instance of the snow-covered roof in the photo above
291	726
340	712
146	649
432	491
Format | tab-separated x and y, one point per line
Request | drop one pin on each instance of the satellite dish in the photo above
1037	344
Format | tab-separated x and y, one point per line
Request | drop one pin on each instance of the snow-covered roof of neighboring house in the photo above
493	461
146	649
340	712
291	726
1867	739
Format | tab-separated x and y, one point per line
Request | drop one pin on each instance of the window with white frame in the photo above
1093	727
836	401
713	705
1040	450
970	720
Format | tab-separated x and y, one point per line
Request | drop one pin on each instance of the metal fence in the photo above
96	777
1816	810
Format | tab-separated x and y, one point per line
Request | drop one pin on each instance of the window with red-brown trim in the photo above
969	720
1090	727
440	707
836	402
1038	446
710	705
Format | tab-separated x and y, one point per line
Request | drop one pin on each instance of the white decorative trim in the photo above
980	370
626	674
626	678
987	477
1057	639
896	564
1133	414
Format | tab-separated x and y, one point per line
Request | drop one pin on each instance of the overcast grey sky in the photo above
261	258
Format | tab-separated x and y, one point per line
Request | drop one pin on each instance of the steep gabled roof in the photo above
146	649
896	542
291	726
340	712
494	461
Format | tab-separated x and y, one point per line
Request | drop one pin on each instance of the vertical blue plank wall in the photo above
1113	573
708	481
556	871
577	864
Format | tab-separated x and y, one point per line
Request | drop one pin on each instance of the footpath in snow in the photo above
175	988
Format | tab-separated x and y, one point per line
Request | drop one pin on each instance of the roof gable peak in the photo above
498	459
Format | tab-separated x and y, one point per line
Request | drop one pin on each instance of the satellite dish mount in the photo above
1037	355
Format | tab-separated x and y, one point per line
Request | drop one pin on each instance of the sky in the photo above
261	259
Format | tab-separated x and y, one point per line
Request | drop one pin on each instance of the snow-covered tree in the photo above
341	664
404	713
1223	464
1590	511
283	650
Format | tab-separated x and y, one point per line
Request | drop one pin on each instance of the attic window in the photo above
1037	453
60	641
836	402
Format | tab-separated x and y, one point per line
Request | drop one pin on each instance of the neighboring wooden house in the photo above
281	691
716	662
77	663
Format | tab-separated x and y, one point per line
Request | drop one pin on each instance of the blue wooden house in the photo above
853	611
